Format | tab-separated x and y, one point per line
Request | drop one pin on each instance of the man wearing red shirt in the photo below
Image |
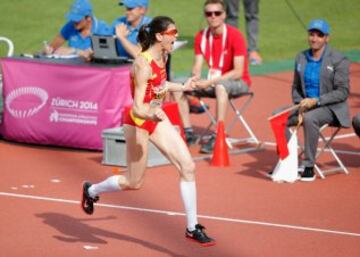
224	49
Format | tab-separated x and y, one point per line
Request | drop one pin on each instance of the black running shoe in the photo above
308	175
199	236
87	202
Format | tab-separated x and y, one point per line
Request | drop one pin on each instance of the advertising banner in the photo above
64	105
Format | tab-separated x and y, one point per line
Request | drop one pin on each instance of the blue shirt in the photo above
76	40
312	76
132	37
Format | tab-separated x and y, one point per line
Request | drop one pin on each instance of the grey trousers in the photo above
251	10
356	124
232	87
313	121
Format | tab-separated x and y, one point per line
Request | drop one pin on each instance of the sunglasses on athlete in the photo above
172	32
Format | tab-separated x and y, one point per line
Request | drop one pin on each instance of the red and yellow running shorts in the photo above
130	119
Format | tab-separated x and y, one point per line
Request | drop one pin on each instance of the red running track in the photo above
247	213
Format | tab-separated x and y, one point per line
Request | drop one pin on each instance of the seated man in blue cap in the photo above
126	28
321	88
77	31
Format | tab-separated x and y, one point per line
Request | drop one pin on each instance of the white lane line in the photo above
329	231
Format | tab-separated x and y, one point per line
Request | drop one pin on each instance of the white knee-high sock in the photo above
188	194
110	184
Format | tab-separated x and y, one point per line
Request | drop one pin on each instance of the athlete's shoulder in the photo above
141	63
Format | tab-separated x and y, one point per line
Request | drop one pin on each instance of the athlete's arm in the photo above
175	87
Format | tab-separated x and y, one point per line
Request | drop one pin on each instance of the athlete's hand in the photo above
158	114
160	92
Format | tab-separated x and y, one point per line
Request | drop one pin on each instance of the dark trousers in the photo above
313	120
251	10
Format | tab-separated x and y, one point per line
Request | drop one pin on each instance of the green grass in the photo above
28	23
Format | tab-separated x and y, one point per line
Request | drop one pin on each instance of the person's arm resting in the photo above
121	33
234	74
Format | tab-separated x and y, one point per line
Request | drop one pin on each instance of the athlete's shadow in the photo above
76	230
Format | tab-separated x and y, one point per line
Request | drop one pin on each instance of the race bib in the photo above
159	95
156	102
213	74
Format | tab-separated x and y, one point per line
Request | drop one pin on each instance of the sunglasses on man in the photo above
210	14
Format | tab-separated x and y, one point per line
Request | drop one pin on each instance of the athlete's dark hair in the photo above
147	32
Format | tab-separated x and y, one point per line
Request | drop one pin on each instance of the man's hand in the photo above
121	31
308	103
86	54
47	50
189	85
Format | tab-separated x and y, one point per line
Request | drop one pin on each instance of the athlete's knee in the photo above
220	90
188	170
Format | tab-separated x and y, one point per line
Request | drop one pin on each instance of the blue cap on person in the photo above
134	3
78	10
320	25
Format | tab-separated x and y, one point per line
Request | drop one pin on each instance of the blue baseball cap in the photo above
134	3
78	10
320	25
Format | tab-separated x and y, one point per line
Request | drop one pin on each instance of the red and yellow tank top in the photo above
158	78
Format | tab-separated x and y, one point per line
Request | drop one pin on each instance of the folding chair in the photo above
9	53
10	46
326	145
238	116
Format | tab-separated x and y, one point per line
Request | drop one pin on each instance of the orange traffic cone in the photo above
221	153
115	170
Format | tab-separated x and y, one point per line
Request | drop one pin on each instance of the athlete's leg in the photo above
171	144
168	140
136	157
